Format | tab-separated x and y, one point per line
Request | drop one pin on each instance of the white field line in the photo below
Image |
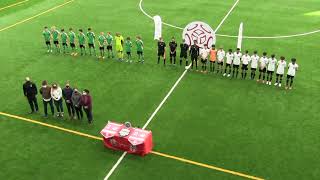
226	16
235	36
164	99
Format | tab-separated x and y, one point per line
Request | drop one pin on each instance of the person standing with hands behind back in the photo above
86	102
67	93
76	100
56	94
45	91
30	92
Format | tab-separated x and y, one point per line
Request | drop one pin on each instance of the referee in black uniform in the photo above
161	50
30	91
194	53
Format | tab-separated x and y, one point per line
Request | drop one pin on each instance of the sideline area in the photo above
153	152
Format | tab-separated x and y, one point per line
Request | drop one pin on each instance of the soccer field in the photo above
210	127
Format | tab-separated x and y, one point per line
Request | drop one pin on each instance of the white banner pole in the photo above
240	36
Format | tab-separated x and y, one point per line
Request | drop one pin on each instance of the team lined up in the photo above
75	101
104	41
229	63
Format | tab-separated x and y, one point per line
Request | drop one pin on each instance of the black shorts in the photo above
228	65
245	66
161	54
184	55
263	70
253	69
64	44
128	53
204	61
109	47
235	66
72	45
194	58
281	75
289	76
220	63
82	46
48	43
173	54
55	42
270	72
91	45
139	52
101	47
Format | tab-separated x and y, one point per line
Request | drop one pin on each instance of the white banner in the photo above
157	27
240	36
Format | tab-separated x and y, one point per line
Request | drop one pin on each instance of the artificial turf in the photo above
235	124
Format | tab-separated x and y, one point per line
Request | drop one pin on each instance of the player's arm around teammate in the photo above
220	54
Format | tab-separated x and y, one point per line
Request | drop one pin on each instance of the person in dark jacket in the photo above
45	91
75	99
30	91
86	102
67	94
194	53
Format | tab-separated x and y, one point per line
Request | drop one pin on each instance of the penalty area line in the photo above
35	16
122	156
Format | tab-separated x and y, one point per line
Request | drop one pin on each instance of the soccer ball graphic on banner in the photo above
200	32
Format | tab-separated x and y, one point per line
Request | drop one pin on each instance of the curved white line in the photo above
235	36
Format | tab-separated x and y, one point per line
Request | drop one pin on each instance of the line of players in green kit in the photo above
68	43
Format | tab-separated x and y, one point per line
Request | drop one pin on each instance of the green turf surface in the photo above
234	124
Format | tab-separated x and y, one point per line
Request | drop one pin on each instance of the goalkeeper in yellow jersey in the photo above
119	46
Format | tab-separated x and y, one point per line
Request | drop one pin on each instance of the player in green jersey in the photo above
64	37
82	41
91	36
72	37
128	46
109	40
119	45
47	37
101	40
139	44
55	36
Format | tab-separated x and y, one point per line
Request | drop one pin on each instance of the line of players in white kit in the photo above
266	65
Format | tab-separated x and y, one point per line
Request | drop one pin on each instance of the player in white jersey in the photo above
236	62
271	68
254	64
229	61
292	68
220	56
204	53
245	62
263	61
282	64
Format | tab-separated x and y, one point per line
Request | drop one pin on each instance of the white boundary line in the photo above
235	36
166	97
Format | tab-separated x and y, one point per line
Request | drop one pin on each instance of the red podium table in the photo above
133	140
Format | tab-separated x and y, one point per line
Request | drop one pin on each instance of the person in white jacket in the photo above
56	94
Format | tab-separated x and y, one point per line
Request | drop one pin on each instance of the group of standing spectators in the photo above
75	101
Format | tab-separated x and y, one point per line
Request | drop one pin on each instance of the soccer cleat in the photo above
224	74
269	83
279	85
48	51
290	88
228	75
286	87
275	84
